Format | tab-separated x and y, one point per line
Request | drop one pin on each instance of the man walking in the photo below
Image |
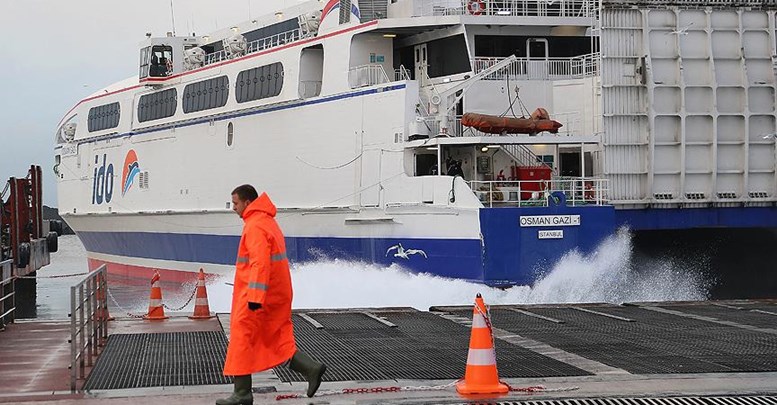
261	332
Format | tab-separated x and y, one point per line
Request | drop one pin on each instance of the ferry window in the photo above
230	134
207	94
345	11
154	106
448	56
258	83
161	62
145	62
104	117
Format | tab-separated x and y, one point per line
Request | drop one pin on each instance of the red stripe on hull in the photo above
131	273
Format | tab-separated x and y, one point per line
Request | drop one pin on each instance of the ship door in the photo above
537	53
421	64
569	164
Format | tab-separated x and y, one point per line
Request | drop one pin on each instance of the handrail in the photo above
367	75
88	322
401	74
514	8
535	193
259	45
7	291
541	68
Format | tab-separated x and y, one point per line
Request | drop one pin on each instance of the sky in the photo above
56	52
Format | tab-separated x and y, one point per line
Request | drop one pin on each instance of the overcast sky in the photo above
53	53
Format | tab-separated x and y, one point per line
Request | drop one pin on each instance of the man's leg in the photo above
242	394
311	369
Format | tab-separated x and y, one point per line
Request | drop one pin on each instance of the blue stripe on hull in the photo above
687	218
456	258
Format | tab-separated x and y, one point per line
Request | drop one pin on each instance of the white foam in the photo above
606	275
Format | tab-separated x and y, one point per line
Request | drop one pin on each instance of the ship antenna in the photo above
172	15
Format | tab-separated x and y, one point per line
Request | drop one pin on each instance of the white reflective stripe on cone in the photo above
155	284
201	301
155	303
478	321
481	357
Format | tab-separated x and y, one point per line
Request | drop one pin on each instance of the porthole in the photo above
230	134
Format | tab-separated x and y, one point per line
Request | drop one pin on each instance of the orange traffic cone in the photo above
481	376
201	308
155	310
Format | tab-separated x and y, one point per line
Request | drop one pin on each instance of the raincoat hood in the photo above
261	204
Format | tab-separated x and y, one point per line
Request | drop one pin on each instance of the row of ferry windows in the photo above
252	84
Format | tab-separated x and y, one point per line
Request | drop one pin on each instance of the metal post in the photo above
73	351
104	297
89	322
490	194
81	337
439	159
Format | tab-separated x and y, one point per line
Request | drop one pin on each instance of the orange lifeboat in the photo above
540	121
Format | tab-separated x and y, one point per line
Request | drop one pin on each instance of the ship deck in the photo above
663	353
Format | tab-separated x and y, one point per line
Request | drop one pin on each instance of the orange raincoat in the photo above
261	339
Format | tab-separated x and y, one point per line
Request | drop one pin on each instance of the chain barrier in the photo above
130	314
487	317
55	276
191	297
378	390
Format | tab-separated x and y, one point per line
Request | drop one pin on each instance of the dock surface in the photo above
585	351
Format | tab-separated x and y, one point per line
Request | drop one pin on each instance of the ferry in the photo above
472	139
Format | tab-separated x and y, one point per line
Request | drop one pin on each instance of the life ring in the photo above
475	7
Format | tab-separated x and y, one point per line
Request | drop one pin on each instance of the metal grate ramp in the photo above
720	400
160	360
643	340
357	346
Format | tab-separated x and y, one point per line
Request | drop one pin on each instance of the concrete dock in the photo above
664	353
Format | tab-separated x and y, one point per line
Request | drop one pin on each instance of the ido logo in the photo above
102	185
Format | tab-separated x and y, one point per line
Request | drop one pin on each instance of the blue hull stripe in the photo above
457	258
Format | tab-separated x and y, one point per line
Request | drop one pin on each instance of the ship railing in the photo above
524	156
511	8
309	88
401	74
541	69
279	39
539	193
88	323
7	302
261	44
367	75
215	57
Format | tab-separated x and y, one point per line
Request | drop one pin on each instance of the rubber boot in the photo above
311	369
242	394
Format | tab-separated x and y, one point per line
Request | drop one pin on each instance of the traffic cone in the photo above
155	309
201	308
481	376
